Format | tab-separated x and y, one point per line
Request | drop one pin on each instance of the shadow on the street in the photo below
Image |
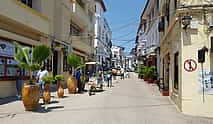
8	100
43	109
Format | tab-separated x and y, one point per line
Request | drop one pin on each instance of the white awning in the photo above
91	63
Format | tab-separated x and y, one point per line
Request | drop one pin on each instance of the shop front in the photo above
9	67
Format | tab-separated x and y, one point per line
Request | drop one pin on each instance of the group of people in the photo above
78	73
108	77
40	74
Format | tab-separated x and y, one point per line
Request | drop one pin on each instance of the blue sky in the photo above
123	17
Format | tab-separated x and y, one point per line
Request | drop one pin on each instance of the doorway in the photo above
166	73
55	63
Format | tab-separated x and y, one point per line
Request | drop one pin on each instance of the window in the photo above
81	3
8	66
65	65
48	64
175	4
90	16
158	4
27	2
176	75
74	30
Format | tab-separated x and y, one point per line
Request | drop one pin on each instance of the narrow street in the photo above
131	101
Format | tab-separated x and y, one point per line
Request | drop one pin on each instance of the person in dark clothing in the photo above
18	83
78	77
109	79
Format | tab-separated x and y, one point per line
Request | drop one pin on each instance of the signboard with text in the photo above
7	49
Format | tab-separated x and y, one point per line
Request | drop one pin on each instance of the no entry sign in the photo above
190	65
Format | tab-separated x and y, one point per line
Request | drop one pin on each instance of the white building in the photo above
118	56
148	37
103	36
130	62
141	44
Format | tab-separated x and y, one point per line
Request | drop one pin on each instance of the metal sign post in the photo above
203	82
201	59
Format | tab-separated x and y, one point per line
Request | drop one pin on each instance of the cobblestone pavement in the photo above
131	101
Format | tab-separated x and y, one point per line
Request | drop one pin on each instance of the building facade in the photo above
31	23
186	40
103	36
148	40
118	57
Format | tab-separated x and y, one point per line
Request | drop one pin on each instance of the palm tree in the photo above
31	59
74	61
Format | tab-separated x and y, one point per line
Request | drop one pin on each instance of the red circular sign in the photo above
190	65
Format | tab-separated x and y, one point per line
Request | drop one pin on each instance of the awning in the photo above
91	63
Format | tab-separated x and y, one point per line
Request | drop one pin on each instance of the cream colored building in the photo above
65	25
180	41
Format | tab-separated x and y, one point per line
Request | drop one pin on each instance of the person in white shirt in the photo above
122	73
41	73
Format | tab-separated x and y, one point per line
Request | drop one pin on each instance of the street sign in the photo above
190	65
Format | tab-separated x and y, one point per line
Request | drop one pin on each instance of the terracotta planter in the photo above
145	79
72	85
140	77
60	89
165	93
46	93
156	81
150	80
30	96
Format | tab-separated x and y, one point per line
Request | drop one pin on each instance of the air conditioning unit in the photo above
210	21
211	24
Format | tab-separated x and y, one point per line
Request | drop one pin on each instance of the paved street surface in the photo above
131	101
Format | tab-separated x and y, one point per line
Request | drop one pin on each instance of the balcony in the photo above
15	12
195	2
81	44
79	15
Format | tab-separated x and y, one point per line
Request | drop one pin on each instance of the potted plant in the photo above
146	73
141	71
152	74
31	61
60	79
46	94
74	61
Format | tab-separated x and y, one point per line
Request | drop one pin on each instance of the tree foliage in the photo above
31	59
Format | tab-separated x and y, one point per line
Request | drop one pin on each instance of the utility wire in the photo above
125	26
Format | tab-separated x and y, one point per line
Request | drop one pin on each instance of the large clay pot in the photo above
165	93
114	73
60	89
46	93
150	80
71	85
30	96
145	79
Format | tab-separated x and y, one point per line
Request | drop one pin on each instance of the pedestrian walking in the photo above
122	73
41	73
18	83
109	79
100	79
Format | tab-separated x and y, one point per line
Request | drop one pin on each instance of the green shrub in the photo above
48	79
59	78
